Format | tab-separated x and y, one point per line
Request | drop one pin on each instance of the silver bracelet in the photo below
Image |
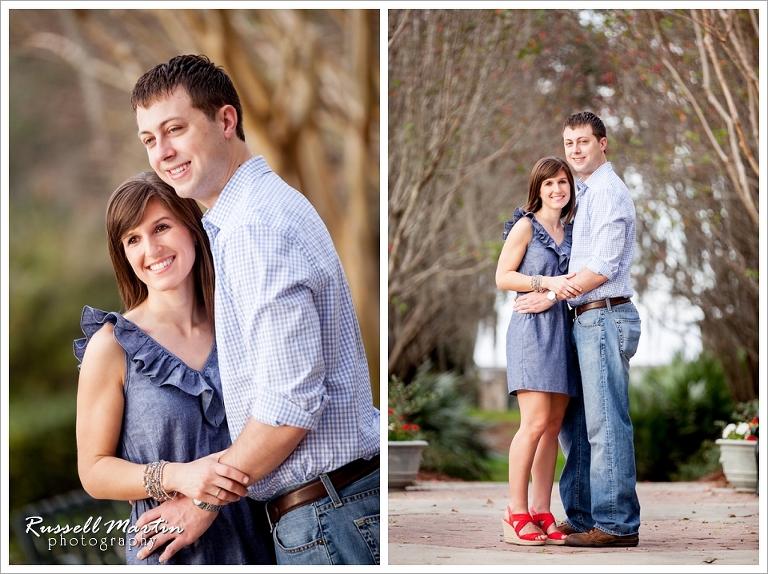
536	283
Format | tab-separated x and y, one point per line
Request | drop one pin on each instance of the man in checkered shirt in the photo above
293	369
597	485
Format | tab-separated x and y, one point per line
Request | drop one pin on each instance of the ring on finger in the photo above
218	493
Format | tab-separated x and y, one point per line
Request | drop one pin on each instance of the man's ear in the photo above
228	116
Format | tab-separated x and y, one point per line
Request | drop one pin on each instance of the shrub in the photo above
42	448
456	446
675	411
403	401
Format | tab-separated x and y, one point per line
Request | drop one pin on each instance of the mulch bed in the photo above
717	479
429	476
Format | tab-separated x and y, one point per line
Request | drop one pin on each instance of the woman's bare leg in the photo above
545	459
534	421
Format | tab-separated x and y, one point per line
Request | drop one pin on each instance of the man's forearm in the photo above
588	280
260	448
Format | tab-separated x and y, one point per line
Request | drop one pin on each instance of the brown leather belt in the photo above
315	490
600	304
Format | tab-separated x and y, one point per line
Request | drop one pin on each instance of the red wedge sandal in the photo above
544	521
514	523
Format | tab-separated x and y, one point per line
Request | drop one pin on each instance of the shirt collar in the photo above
597	175
226	204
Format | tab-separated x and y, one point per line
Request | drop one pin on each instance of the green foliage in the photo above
401	306
745	412
42	449
511	415
493	249
675	410
456	447
51	281
58	263
498	466
703	462
403	401
692	135
744	422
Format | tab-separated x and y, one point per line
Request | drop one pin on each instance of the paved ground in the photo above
689	523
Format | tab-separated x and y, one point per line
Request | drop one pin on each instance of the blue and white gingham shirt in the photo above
290	350
603	234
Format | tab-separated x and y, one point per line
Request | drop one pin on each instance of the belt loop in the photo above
608	303
269	518
331	490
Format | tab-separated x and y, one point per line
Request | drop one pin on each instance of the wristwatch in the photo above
552	296
207	505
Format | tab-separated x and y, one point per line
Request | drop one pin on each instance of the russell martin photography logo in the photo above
94	533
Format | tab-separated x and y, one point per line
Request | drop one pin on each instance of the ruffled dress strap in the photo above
519	212
563	251
153	361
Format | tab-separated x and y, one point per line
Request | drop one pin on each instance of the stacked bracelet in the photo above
153	481
536	283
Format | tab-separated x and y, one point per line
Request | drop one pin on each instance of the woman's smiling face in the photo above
556	191
160	249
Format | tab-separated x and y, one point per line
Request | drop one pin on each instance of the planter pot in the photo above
404	462
739	463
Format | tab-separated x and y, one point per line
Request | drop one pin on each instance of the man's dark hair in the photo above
208	86
586	119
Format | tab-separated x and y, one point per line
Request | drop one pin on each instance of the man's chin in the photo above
579	169
182	191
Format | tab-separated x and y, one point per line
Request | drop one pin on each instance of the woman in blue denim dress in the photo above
149	394
541	368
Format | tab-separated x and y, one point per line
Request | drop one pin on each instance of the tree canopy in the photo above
477	96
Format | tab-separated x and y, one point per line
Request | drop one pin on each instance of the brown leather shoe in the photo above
566	528
594	538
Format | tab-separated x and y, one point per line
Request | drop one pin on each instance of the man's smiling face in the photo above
187	149
583	150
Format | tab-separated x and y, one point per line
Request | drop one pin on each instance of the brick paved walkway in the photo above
689	523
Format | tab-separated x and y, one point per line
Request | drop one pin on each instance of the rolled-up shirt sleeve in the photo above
289	348
279	325
608	229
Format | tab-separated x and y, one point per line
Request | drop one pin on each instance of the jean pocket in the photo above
369	527
629	336
591	319
299	537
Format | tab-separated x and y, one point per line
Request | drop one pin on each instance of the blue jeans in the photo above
597	485
341	528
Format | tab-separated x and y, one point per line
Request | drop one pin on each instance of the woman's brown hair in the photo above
544	169
125	209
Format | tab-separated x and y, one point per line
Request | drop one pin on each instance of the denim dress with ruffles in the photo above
540	355
173	412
